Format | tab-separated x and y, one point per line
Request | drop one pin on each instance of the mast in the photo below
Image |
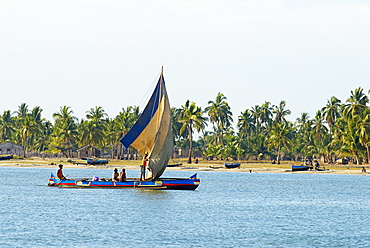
152	133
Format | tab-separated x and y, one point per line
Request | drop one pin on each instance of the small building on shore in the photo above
88	151
9	148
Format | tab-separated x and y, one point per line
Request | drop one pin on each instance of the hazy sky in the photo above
87	53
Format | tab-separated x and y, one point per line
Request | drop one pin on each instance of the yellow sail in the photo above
152	132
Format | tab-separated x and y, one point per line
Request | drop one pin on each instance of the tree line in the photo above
338	130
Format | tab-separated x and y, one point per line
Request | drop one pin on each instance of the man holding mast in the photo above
144	164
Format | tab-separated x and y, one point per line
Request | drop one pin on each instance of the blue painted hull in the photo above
7	157
232	165
161	183
96	161
300	168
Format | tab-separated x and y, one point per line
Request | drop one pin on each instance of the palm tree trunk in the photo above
24	148
190	144
357	158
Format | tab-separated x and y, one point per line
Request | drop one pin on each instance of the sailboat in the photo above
151	135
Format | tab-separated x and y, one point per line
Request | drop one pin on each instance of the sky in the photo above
87	53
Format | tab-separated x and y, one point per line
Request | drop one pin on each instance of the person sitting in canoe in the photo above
122	175
143	166
60	173
115	175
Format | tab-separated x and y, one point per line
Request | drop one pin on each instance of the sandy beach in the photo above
246	166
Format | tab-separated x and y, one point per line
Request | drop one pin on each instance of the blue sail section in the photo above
147	114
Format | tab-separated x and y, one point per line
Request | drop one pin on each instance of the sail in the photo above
152	132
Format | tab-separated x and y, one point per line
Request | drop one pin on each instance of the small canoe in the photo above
6	157
300	168
190	183
174	165
232	165
96	161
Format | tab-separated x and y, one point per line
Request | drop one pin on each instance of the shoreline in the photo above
246	167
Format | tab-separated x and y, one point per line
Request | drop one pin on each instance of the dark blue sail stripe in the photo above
146	116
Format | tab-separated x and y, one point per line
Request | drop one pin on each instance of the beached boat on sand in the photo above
151	134
232	165
6	157
174	165
300	168
95	161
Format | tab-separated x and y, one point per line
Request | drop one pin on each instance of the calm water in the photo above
229	209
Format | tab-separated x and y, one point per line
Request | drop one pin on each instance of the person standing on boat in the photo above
115	175
143	166
122	175
60	173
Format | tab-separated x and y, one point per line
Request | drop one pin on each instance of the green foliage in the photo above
263	131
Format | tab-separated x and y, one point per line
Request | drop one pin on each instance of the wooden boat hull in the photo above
162	183
7	157
300	168
174	165
96	161
232	165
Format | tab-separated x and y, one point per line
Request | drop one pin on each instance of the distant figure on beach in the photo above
115	175
60	173
317	165
144	164
363	169
122	175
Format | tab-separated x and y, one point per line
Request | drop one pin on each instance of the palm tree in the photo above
6	126
363	131
279	137
220	115
124	121
22	110
266	114
320	136
92	131
280	112
256	113
246	123
68	135
176	125
350	139
65	130
332	111
96	114
304	142
42	141
64	114
192	117
356	104
318	127
27	130
303	122
110	135
91	134
29	126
